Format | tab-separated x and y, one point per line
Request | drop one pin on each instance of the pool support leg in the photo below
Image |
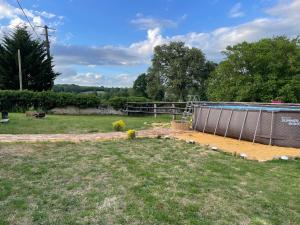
271	129
258	119
243	125
218	121
206	120
228	124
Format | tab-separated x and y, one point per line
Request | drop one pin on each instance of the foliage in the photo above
177	69
120	102
140	85
37	69
155	88
119	125
131	134
23	100
263	71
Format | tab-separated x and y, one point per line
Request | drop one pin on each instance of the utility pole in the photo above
20	70
47	42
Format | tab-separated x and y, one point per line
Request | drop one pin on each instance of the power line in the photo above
27	18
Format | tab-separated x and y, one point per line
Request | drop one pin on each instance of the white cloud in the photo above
6	10
15	17
45	14
146	23
236	11
103	55
70	76
145	48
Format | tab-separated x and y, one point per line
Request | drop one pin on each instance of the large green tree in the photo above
37	69
140	85
176	70
262	71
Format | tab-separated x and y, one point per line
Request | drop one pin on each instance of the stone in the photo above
284	157
190	142
214	148
243	155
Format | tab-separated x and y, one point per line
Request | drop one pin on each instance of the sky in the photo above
110	42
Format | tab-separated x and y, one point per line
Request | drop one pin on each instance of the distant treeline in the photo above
103	92
73	88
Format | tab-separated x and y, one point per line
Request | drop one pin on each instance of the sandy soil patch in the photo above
255	151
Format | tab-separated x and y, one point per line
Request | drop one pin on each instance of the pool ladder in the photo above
189	108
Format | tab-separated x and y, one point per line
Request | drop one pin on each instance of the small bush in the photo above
119	125
131	134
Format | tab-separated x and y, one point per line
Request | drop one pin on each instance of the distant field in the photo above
59	124
145	181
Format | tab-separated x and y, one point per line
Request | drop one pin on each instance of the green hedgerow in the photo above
131	134
119	125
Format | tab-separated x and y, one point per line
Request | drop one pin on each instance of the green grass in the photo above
143	181
61	124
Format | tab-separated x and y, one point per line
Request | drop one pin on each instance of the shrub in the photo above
120	102
131	134
119	125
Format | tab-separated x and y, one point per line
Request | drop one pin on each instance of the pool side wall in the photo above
281	129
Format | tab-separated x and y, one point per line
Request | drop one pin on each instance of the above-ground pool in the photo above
267	124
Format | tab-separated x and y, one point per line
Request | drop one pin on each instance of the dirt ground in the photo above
255	151
82	137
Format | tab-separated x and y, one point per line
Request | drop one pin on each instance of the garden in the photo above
117	169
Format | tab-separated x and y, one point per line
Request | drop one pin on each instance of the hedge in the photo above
23	100
20	101
120	102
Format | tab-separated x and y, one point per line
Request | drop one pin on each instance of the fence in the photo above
155	108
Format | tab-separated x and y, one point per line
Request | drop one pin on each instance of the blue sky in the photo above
110	42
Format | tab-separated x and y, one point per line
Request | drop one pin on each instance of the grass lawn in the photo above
62	124
143	181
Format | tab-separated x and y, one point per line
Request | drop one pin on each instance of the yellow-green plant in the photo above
119	125
131	134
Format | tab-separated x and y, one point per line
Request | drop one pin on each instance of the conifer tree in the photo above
37	69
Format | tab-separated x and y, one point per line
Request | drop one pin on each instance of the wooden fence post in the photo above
155	112
173	111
